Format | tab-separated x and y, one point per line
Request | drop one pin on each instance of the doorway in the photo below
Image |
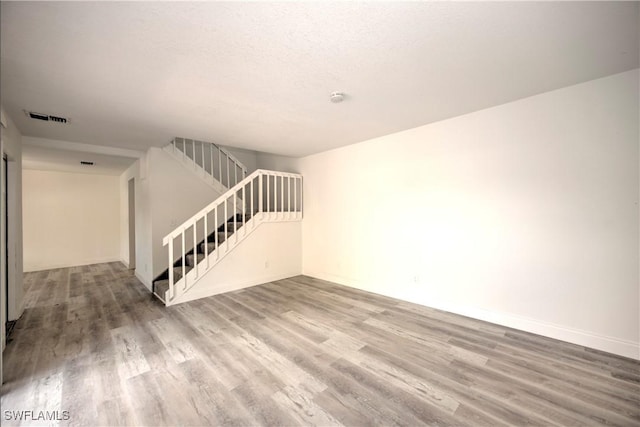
4	282
132	223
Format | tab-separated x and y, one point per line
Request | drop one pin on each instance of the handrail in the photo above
230	155
275	193
222	198
207	157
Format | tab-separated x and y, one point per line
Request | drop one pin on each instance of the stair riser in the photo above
231	227
192	258
177	272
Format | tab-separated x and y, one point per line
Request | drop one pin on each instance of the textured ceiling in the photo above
258	75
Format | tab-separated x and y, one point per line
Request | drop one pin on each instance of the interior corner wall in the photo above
259	160
525	214
69	219
246	157
277	163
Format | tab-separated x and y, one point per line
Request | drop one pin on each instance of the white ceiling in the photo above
64	156
50	159
258	75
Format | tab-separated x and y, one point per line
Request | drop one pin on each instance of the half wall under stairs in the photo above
250	235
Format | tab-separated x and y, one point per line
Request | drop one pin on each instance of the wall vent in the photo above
82	162
46	117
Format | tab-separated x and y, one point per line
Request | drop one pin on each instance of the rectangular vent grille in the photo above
39	116
46	117
57	119
82	162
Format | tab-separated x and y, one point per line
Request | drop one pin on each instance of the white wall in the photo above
166	195
277	163
11	142
246	157
69	219
259	160
132	172
12	145
143	228
525	214
271	252
174	196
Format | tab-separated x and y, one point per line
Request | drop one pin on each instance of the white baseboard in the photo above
575	336
76	263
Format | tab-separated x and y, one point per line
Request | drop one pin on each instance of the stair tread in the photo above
191	258
233	223
210	247
160	287
225	230
234	226
178	270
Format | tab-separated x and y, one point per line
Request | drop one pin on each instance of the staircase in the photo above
185	264
212	163
199	244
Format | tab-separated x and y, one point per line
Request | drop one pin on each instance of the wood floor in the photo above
93	342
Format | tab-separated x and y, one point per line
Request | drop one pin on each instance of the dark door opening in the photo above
5	242
132	223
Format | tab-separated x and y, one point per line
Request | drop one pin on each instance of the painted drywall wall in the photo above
246	157
525	214
259	160
254	261
12	145
174	196
133	172
166	194
69	219
143	220
123	183
277	163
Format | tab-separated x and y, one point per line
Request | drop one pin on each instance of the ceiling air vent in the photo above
57	119
38	116
82	162
46	117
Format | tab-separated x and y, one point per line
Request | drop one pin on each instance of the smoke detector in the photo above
336	97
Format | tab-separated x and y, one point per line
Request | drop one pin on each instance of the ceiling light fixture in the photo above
336	97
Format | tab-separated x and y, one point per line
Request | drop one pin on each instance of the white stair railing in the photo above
211	161
263	196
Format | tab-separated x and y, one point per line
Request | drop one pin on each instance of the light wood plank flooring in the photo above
95	343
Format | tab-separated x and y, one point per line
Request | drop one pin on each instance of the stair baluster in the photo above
193	263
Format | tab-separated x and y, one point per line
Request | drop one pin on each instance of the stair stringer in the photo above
271	251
